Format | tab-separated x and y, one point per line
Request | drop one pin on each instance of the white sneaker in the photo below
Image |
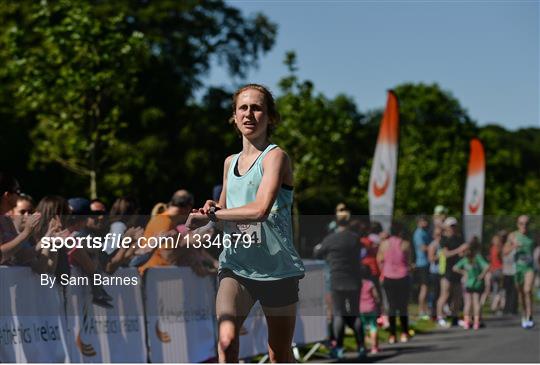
442	323
529	324
524	322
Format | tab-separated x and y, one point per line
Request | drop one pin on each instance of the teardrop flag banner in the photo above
473	207
382	180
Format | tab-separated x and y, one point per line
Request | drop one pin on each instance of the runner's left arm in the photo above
274	165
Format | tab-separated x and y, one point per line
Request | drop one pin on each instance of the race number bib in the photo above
252	230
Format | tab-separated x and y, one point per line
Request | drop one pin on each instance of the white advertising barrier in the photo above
96	334
180	315
310	320
31	319
311	317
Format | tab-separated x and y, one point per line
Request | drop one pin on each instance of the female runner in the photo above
255	203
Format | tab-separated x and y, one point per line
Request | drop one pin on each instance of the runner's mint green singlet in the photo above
271	255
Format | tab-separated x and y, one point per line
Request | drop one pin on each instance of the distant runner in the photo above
522	241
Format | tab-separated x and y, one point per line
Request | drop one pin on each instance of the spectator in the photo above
473	267
55	212
24	207
10	241
98	206
123	219
84	258
159	208
434	250
439	215
452	247
369	310
341	250
421	240
166	223
394	260
332	226
495	275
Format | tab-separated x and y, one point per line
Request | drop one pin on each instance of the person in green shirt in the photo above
522	242
474	268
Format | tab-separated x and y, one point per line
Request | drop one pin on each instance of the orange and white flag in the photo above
382	180
473	208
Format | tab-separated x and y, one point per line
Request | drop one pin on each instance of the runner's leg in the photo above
281	322
527	293
233	303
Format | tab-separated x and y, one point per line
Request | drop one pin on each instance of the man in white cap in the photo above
439	215
452	247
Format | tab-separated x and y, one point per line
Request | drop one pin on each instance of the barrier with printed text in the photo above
180	315
32	327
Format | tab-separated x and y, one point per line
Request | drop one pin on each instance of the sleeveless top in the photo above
395	264
266	250
509	263
524	253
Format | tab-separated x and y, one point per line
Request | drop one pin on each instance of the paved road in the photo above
501	341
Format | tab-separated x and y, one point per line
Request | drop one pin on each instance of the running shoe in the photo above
392	340
424	317
524	323
476	326
374	350
403	338
529	324
466	325
362	354
442	323
337	353
461	323
446	310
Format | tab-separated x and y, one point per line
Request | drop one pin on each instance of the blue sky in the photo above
486	53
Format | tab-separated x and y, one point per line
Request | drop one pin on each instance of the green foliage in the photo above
433	149
67	65
106	88
317	133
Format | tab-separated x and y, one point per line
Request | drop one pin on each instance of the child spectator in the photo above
474	267
369	310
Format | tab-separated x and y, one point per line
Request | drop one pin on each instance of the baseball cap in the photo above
80	206
450	221
440	209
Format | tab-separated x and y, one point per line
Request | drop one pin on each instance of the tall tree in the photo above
318	133
433	149
143	61
67	62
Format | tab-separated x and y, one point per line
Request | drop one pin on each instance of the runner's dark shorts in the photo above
270	293
474	290
421	275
